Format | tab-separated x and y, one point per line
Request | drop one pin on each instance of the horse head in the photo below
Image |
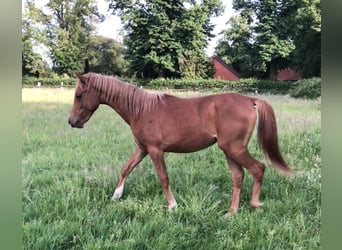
86	101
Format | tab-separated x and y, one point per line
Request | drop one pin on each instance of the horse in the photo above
165	123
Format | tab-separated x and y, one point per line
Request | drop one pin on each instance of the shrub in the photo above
307	88
32	81
243	85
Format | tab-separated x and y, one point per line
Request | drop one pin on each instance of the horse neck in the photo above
123	98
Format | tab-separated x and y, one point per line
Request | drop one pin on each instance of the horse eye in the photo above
78	96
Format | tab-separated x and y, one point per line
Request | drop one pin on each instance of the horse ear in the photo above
82	78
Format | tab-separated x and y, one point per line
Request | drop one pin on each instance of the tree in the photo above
307	38
65	27
164	38
105	55
32	62
270	35
273	45
237	48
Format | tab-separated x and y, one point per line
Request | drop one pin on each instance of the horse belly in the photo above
189	143
191	129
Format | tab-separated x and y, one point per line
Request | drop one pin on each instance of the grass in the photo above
69	176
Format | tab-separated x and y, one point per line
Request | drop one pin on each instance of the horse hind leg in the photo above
243	158
135	159
256	169
237	177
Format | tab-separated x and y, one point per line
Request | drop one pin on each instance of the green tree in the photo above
65	27
237	49
32	62
105	55
307	38
167	38
267	36
273	45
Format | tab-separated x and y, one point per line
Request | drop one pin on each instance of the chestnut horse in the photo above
165	123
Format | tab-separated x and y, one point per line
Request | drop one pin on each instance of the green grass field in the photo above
69	176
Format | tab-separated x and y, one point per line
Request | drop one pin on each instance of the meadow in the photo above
69	176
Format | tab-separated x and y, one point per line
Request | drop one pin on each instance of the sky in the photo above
112	25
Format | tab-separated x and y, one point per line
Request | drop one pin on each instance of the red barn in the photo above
224	71
288	75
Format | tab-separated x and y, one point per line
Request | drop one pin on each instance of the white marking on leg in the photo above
173	205
118	192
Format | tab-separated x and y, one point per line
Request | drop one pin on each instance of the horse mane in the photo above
134	99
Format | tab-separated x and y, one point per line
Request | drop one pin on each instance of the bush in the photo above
242	85
307	88
50	82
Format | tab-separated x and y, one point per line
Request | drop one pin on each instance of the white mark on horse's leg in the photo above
172	201
118	192
173	205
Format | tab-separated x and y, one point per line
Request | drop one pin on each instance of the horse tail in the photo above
267	136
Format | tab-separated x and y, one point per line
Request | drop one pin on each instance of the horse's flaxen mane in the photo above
127	95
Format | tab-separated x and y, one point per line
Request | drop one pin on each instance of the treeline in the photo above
167	39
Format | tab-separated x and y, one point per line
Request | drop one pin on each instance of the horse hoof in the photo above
117	194
115	198
231	213
173	206
256	204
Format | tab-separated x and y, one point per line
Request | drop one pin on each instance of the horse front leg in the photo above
157	157
135	159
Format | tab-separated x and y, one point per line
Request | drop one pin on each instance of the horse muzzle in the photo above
75	123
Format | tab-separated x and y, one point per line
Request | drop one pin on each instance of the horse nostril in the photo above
71	123
75	123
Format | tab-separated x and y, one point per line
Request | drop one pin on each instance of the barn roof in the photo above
227	66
